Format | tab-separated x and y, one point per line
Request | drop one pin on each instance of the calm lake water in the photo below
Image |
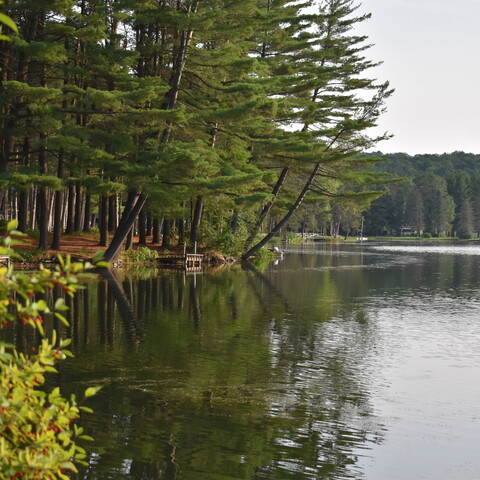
339	362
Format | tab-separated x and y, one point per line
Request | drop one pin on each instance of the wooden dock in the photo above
189	261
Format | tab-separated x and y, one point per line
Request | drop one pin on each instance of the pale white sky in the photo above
431	55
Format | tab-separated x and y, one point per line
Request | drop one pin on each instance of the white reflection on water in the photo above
448	249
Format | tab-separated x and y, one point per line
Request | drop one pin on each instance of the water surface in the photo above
344	361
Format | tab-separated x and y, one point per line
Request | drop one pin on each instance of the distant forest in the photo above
440	196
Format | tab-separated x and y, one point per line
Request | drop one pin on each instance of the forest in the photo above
440	196
219	122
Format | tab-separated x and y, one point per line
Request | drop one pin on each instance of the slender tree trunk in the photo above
166	234
266	209
87	214
23	210
57	220
142	227
42	199
77	225
276	228
126	223
129	239
112	212
70	210
33	208
24	194
235	222
103	220
197	218
181	231
148	228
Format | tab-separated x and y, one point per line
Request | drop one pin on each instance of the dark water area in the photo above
338	362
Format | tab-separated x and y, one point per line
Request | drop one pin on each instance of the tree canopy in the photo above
189	113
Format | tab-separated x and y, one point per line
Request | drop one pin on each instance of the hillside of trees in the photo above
184	120
440	196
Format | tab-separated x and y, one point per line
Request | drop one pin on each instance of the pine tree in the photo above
324	95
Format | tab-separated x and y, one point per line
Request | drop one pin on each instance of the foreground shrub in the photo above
38	430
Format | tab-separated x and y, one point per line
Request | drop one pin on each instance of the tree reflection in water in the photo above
222	375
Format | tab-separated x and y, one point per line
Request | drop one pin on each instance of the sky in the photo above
431	56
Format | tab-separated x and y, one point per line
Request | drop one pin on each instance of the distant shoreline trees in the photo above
441	195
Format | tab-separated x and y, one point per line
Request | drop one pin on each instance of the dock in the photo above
188	261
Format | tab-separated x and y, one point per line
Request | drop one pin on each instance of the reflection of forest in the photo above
217	374
235	374
239	373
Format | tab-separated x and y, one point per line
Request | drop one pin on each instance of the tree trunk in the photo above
157	225
166	234
57	216
134	204
235	222
112	213
77	225
103	220
148	226
87	214
266	209
24	194
181	231
129	239
33	208
197	218
287	216
142	227
42	199
23	211
71	210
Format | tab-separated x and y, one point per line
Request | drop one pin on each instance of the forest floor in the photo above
81	246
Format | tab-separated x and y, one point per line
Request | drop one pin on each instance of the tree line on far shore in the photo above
439	197
434	195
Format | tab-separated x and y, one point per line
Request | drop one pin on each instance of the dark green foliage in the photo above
169	102
440	197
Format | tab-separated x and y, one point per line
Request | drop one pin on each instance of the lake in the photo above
342	361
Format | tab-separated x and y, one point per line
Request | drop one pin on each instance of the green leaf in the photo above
39	327
6	20
98	256
85	409
103	264
60	304
62	319
41	305
91	391
12	224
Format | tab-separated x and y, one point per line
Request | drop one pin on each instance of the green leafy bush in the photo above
38	430
143	254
